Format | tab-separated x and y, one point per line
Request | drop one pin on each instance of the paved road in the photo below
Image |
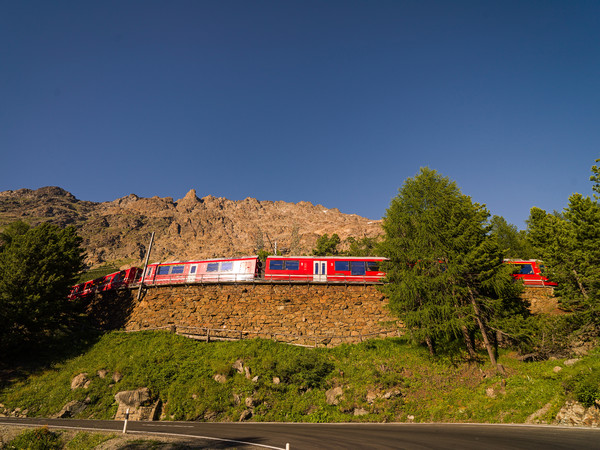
351	436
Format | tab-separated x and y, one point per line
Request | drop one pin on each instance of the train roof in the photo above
328	257
196	261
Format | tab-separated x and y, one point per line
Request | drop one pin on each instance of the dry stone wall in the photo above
541	300
307	314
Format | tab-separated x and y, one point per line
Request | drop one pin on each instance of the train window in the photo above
212	267
163	270
276	264
373	266
357	267
292	265
193	269
227	266
342	266
177	269
526	269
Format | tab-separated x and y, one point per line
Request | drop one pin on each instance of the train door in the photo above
319	270
192	273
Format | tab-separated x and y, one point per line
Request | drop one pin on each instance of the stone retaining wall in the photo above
307	313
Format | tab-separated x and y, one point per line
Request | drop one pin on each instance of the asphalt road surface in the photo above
348	436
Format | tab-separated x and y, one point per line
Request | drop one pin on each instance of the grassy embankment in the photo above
381	381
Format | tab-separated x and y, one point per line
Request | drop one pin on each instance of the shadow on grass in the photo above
91	318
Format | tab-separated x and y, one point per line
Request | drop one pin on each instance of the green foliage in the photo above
540	336
327	246
446	275
97	272
511	240
585	387
595	178
307	369
37	268
569	244
11	231
36	439
84	440
362	247
401	380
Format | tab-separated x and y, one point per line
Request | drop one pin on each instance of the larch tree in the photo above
447	280
37	267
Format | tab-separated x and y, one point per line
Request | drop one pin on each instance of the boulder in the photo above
360	412
220	378
334	395
133	398
247	414
138	403
80	381
71	409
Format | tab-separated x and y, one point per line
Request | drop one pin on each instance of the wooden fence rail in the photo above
225	334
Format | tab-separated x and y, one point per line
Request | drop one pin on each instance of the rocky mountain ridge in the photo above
189	228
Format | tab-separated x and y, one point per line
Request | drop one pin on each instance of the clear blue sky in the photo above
332	102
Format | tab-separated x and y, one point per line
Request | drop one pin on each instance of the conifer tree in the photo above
569	244
446	278
37	267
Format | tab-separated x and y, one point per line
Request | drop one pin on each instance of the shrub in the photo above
37	439
585	387
307	369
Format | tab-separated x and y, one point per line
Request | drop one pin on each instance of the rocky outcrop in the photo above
136	405
575	414
185	229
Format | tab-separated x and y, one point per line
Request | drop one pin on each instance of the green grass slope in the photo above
378	381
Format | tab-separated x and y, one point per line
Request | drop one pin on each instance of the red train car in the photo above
324	268
114	280
531	271
211	271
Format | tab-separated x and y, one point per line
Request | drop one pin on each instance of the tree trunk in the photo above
581	288
429	342
468	342
484	334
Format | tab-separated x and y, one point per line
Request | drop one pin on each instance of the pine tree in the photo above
37	267
446	278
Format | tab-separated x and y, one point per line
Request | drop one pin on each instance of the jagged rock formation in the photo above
185	229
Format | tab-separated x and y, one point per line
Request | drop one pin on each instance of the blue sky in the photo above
332	102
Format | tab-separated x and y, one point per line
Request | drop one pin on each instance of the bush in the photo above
37	439
585	387
307	369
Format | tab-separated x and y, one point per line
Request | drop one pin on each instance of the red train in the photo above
283	268
109	282
531	271
212	270
324	268
337	269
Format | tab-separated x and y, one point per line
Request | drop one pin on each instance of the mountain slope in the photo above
185	229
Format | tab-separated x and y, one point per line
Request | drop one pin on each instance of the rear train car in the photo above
108	282
206	271
346	269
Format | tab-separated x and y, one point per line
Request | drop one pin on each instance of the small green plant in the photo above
85	441
37	439
585	387
307	369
